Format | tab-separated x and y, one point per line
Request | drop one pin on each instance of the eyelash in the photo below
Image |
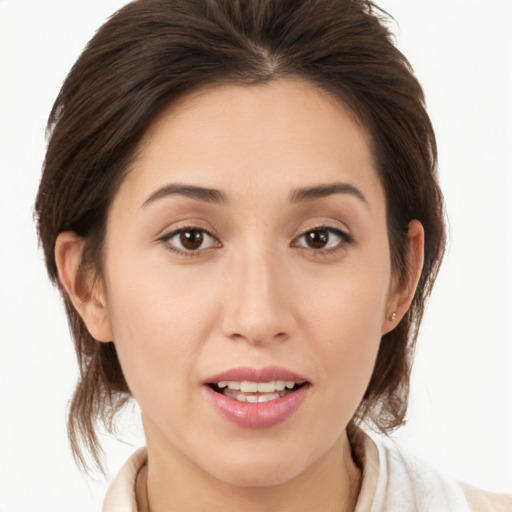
190	252
345	239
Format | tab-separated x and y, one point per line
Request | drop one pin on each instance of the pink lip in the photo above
267	374
259	415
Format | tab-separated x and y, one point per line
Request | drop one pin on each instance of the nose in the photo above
258	298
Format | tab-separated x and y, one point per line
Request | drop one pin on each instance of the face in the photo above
248	245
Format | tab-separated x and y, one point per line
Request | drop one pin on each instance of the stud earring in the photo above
393	316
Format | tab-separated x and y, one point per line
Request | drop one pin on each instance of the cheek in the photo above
160	320
346	320
350	303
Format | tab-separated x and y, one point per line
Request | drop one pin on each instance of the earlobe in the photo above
403	293
84	291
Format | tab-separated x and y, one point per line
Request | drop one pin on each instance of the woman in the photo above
240	205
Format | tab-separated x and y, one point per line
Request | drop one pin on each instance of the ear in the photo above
85	292
402	293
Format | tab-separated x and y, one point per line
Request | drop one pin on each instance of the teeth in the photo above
267	397
249	387
256	387
254	399
266	387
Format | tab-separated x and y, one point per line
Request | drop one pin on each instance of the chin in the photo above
258	464
257	474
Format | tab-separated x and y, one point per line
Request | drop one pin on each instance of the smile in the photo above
260	400
255	392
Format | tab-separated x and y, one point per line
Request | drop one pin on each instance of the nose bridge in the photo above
256	307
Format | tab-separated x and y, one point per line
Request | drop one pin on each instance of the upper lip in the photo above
249	374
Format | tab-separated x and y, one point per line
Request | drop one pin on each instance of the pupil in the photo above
191	239
317	238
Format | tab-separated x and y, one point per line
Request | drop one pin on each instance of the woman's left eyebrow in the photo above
319	191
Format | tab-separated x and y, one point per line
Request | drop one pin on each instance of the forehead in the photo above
266	138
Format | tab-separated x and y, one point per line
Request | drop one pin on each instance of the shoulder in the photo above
484	501
395	481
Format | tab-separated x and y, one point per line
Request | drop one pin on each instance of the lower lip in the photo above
259	415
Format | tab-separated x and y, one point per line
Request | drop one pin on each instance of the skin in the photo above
255	293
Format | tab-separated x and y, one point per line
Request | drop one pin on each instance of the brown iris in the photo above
317	239
191	239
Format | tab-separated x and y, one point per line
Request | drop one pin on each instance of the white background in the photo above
461	413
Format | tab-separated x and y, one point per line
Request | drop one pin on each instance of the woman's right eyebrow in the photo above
209	195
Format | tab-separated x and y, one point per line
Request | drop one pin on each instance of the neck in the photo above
170	482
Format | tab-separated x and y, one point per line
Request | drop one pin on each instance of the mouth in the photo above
255	392
257	398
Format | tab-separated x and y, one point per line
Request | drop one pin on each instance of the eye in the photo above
190	240
323	239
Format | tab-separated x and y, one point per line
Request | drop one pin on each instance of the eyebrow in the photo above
208	195
211	195
319	191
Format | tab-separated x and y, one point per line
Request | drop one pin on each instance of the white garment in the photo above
396	482
120	495
392	482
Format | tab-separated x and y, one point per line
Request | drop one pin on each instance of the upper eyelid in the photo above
326	226
173	233
168	232
345	235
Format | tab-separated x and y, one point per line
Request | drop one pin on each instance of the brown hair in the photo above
153	51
